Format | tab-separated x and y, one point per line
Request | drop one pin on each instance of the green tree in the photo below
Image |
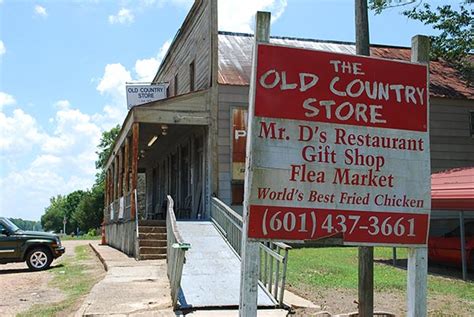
89	212
72	200
455	42
27	224
52	219
104	150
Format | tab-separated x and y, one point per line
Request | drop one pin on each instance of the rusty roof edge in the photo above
310	40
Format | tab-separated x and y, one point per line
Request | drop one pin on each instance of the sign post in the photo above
338	145
418	257
365	253
250	249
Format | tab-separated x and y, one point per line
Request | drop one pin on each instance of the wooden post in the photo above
463	245
126	165
362	28
212	131
366	254
366	281
106	195
120	172
116	169
133	203
418	257
250	249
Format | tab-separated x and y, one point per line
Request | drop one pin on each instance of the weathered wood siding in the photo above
451	143
191	45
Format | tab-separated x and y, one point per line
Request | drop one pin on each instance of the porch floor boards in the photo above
211	274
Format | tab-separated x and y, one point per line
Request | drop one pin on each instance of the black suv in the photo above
38	249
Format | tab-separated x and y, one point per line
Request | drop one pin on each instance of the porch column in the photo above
111	184
134	168
127	166
120	172
106	190
116	167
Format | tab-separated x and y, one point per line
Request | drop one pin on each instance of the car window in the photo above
1	228
8	224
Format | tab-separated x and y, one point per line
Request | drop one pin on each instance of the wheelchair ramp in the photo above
211	274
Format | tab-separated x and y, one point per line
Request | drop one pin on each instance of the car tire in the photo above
39	259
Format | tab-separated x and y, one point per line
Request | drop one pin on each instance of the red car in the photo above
447	248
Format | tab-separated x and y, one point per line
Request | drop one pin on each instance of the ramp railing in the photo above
175	252
273	255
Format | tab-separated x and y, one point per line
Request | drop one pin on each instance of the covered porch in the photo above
162	149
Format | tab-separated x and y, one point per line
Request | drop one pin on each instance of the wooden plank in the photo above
134	172
452	140
191	43
171	117
418	257
195	101
250	249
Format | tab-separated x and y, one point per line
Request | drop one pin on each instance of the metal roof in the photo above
453	189
235	62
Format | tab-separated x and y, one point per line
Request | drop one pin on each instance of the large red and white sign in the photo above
339	146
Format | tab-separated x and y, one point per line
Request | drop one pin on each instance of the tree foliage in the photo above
455	42
104	150
27	224
89	212
52	219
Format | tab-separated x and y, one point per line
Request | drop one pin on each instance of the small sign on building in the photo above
141	94
339	146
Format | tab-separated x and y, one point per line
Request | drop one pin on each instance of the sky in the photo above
64	64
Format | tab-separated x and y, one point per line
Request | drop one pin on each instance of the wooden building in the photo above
199	129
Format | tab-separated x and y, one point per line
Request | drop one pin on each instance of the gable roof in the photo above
235	62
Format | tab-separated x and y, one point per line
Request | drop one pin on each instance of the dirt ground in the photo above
20	289
338	301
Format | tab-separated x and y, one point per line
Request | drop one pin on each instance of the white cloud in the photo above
164	49
6	100
41	11
3	49
59	162
19	133
114	79
146	68
238	16
124	16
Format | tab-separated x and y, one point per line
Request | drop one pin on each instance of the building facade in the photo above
199	130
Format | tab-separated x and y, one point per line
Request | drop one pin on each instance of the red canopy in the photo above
453	189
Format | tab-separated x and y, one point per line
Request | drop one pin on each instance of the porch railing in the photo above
175	253
113	213
273	255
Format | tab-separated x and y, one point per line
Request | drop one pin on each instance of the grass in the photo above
72	278
322	268
83	237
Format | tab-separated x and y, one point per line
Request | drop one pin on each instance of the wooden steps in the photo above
151	240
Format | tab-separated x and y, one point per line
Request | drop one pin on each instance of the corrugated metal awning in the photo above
453	189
